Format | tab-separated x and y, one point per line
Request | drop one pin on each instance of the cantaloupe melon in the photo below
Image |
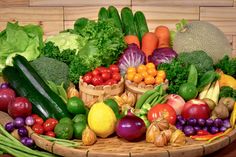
200	35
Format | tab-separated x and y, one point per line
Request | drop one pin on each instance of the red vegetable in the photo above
106	76
202	132
95	72
116	76
38	120
49	124
38	129
21	107
88	77
110	82
97	80
50	133
7	96
164	110
114	68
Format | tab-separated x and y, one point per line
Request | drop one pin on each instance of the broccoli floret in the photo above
200	59
52	70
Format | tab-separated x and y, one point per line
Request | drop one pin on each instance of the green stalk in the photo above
9	136
59	140
14	152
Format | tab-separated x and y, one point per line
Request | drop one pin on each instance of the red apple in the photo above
7	96
177	102
196	108
21	107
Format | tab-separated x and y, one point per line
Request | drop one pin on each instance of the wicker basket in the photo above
90	94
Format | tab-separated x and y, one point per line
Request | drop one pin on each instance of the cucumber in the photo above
140	24
25	89
114	14
56	104
128	21
103	14
192	75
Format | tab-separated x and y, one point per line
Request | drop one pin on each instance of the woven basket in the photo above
91	94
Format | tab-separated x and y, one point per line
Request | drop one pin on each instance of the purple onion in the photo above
4	85
201	122
189	130
192	121
29	121
9	127
19	122
214	130
209	122
23	132
218	122
27	141
226	123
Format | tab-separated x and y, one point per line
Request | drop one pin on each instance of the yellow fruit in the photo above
149	80
152	72
137	78
161	73
150	66
102	120
159	80
131	70
130	76
141	68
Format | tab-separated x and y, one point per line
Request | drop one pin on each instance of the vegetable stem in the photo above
14	152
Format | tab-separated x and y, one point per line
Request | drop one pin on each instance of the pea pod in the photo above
206	79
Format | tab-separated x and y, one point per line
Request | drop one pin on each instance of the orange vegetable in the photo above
149	43
132	39
163	35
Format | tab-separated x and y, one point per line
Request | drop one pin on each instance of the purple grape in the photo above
201	122
223	129
179	126
214	130
4	85
218	122
189	130
192	121
179	118
205	128
9	127
23	132
19	122
226	123
209	122
197	128
182	122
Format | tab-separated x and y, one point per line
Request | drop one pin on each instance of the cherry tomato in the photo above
38	129
38	120
50	133
34	116
88	77
114	68
110	82
164	110
202	132
116	76
95	72
101	69
97	80
106	76
49	124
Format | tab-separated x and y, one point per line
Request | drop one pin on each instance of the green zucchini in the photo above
103	14
140	24
128	21
25	89
114	14
55	102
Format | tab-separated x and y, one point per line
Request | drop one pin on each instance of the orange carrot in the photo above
163	35
149	43
132	39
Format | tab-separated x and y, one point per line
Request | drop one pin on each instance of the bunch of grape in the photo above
191	126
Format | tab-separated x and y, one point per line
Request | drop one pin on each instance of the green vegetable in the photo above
114	106
54	102
193	75
188	91
114	14
140	24
200	59
227	65
227	91
103	14
22	40
78	129
66	120
80	118
52	70
76	106
143	98
206	78
128	21
59	90
64	131
176	73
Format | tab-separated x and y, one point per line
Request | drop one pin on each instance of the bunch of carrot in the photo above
151	40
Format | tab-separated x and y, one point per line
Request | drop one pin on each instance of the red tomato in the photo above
110	82
164	110
50	133
102	69
95	72
88	77
114	68
34	116
38	129
116	76
97	80
49	124
38	120
106	76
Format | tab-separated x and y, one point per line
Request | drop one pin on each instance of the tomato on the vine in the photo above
162	110
95	72
97	80
110	82
38	120
49	124
88	77
50	133
38	129
116	76
106	76
114	68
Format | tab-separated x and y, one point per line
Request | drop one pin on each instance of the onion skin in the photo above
131	128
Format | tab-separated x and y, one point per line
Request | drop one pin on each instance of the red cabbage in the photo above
131	57
162	55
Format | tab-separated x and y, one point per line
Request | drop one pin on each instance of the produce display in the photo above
62	89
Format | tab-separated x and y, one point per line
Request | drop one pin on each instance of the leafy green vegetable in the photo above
58	89
52	70
200	59
227	91
22	40
176	73
227	65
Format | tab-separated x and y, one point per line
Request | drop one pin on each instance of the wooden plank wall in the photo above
56	15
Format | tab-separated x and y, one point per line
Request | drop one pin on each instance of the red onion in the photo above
131	127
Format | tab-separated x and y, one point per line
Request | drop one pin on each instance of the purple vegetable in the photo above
27	141
29	121
223	129
197	128
179	117
179	126
18	122
192	121
218	122
9	127
209	122
162	55
131	127
182	122
23	132
189	130
132	57
226	123
205	128
201	122
4	85
214	130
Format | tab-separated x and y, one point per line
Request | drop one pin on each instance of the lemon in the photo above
102	119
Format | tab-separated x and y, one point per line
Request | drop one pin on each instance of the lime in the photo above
188	91
80	118
76	106
114	106
78	129
66	120
64	131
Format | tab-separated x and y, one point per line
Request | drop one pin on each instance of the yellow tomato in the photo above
161	73
130	76
150	66
131	70
159	80
144	74
137	78
149	80
141	68
152	72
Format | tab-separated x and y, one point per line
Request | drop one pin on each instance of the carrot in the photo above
163	35
149	43
132	39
